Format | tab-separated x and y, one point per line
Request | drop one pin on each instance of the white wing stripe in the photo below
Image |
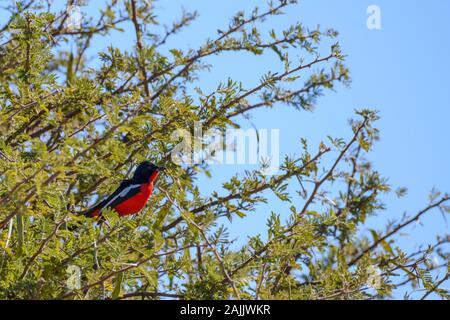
121	194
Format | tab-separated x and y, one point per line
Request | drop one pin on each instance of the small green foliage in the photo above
73	127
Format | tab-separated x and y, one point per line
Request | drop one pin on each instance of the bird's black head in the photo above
146	172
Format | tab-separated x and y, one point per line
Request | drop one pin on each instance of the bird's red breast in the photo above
136	203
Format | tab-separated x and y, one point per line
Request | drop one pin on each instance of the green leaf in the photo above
386	246
118	286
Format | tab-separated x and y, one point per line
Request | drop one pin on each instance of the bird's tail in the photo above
90	213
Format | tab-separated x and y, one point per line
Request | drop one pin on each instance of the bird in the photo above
132	195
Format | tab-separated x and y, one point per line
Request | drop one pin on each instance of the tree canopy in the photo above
73	127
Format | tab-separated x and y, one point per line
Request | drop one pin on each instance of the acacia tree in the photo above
72	128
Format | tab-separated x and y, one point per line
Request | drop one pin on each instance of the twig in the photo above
437	285
42	247
397	229
213	248
151	295
259	189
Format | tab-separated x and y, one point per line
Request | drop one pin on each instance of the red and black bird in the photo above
132	195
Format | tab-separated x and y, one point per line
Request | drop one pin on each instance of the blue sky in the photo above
401	70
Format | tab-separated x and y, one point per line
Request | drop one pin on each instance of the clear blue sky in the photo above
402	70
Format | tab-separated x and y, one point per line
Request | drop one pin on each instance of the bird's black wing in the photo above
124	191
128	191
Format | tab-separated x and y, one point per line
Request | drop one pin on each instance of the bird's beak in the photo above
161	169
